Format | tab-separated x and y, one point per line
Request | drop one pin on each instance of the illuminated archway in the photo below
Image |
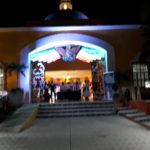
90	46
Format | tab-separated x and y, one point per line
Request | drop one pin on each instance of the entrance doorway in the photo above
68	65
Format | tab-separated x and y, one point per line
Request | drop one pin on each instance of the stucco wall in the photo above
127	43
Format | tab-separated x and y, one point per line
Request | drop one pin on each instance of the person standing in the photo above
116	96
127	96
62	94
76	91
46	93
52	87
68	91
86	90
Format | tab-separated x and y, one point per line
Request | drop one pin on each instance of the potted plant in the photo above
16	95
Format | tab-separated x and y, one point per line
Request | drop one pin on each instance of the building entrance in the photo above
73	68
67	47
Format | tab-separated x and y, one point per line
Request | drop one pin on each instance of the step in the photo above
134	115
76	114
79	109
128	111
77	103
75	110
75	107
147	123
143	118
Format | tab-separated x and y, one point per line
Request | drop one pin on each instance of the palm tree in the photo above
18	68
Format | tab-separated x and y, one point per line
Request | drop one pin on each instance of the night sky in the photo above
16	13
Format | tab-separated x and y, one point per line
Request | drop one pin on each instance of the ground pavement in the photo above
78	133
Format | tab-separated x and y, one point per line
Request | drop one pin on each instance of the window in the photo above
140	74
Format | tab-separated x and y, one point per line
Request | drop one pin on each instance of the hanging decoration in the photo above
38	75
69	52
97	78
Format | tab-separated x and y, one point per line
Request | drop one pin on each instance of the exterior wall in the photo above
24	81
126	43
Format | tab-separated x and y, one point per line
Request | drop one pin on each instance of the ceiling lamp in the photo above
65	5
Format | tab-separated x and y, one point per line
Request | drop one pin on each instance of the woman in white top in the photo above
86	90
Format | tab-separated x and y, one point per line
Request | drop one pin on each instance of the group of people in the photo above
68	91
77	91
45	92
74	91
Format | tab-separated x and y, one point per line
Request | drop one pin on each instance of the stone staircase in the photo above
97	108
77	109
137	116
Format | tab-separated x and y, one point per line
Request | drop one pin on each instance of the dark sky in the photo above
15	13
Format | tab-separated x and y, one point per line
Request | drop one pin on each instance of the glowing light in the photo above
88	53
65	6
3	93
82	28
67	77
73	28
1	75
48	56
66	42
147	84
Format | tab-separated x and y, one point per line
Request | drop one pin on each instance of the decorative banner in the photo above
97	78
38	75
69	52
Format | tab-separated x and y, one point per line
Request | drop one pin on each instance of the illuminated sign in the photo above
147	84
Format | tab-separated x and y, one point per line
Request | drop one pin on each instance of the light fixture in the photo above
65	5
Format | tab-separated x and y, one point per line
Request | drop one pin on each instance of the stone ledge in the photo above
21	119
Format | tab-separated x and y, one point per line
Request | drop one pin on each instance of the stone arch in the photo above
57	39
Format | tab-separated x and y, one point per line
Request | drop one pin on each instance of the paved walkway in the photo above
82	133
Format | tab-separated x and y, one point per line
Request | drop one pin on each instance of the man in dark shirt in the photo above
52	87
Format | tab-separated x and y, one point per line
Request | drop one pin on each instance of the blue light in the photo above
48	55
89	54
